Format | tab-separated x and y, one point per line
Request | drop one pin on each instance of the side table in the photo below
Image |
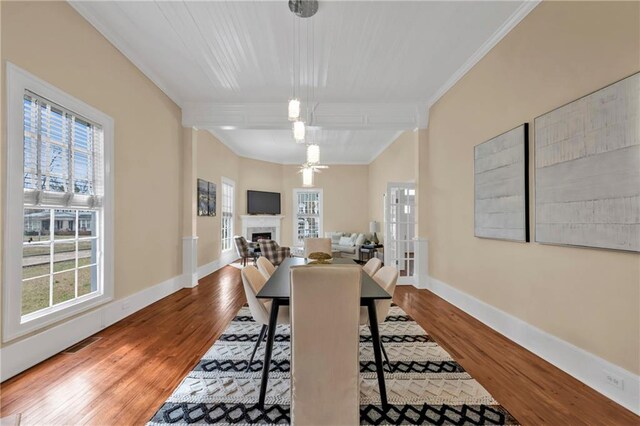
368	251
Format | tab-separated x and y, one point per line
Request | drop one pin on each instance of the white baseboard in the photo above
226	258
584	366
25	353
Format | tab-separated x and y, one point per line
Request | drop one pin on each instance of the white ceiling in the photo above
378	65
338	146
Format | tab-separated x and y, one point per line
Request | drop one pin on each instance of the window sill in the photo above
35	321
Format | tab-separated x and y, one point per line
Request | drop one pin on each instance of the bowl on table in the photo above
319	258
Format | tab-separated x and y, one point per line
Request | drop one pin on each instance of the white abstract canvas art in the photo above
587	157
501	186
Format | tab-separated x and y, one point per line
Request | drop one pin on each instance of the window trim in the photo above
227	181
17	82
294	212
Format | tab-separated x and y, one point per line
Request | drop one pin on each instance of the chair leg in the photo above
263	331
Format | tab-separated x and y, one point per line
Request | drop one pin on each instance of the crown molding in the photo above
486	47
120	43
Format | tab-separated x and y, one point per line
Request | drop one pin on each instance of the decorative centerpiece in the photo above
319	258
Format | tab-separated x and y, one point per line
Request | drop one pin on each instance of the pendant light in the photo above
299	131
294	102
294	109
313	154
307	177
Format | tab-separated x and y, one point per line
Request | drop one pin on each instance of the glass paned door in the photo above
400	229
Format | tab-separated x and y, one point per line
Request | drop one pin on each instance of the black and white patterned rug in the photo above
427	386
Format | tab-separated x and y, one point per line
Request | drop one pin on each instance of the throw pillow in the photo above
345	241
360	239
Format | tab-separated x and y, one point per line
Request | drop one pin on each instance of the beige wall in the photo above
559	52
214	161
69	53
2	156
395	164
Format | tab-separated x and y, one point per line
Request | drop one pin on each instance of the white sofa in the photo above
348	243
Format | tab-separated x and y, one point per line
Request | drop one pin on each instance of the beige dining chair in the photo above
372	266
313	245
265	267
387	278
325	361
253	281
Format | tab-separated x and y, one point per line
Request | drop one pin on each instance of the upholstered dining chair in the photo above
265	267
253	281
272	251
387	278
242	248
312	245
325	362
372	266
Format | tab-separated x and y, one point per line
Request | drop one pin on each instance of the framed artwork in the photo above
206	198
587	165
212	199
501	186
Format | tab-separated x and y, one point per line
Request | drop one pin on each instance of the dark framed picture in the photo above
212	199
206	198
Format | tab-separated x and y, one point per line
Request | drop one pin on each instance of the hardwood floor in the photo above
125	376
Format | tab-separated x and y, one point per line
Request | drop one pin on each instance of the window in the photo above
307	205
228	201
59	223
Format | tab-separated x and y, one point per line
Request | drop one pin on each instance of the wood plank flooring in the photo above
124	377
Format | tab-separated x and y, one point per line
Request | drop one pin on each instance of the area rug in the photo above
427	386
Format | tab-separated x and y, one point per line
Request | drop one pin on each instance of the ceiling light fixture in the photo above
313	154
307	177
303	8
294	109
298	131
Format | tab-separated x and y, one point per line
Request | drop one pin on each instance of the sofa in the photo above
348	243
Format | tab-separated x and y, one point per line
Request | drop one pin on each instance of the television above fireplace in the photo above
261	202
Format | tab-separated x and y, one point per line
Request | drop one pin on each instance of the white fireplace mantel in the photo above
261	221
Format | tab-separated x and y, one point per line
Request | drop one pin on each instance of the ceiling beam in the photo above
326	115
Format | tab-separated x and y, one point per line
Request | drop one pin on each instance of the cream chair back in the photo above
312	245
372	266
253	281
265	267
387	278
324	362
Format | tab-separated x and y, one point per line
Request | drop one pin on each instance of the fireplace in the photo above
257	236
262	226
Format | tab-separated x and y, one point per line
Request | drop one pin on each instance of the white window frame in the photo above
227	181
294	211
17	82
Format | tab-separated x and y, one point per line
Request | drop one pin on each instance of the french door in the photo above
400	229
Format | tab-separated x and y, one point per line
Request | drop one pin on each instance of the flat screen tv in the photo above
260	202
